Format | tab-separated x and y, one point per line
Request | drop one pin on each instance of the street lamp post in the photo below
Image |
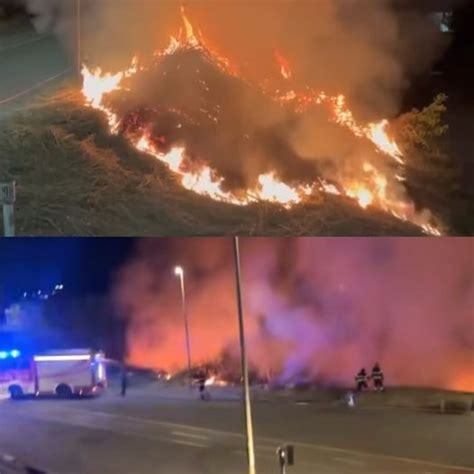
178	271
245	371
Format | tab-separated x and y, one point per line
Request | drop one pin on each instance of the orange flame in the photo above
373	191
191	38
361	194
213	380
285	68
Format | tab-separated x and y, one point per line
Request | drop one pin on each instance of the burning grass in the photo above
76	179
240	142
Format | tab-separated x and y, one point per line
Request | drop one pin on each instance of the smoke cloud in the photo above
367	50
315	309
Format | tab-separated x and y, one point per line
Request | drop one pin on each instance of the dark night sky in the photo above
84	266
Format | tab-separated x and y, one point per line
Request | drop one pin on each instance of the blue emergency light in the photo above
14	353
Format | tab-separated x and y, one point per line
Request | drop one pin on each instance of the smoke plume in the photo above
366	50
315	309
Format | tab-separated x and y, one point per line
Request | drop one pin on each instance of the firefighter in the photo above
377	377
123	381
361	380
203	393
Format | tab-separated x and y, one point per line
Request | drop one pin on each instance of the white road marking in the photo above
350	461
189	443
274	440
296	443
33	88
22	43
189	435
115	430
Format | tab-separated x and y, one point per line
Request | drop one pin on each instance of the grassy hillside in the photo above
74	179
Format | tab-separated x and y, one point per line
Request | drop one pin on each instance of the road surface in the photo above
144	433
28	62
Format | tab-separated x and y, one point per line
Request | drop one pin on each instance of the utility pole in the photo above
245	371
79	38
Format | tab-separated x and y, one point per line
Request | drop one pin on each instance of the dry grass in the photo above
76	180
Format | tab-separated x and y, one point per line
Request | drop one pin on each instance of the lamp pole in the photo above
178	271
245	371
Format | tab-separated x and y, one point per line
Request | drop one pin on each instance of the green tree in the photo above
433	176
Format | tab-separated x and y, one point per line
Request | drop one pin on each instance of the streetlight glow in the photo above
178	271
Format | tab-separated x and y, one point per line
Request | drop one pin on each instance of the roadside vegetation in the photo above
433	176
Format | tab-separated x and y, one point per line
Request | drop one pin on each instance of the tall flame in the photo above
191	38
285	68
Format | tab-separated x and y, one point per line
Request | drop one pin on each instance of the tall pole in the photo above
79	38
245	370
180	272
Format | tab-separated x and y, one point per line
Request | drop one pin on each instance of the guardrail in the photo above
7	200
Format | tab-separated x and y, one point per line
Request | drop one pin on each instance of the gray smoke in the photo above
366	49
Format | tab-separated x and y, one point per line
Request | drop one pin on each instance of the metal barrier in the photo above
7	200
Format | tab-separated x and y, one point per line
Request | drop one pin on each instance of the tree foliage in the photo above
432	174
421	128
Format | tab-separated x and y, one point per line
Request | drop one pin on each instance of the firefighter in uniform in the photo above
123	381
377	377
361	380
202	385
201	378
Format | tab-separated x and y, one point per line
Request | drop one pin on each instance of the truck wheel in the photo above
63	391
16	392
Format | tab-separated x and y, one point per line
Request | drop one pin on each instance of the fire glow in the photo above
374	189
313	309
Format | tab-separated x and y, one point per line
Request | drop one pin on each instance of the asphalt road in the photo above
28	62
144	433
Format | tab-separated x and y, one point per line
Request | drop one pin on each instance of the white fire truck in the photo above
61	373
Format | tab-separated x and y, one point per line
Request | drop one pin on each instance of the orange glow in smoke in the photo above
282	327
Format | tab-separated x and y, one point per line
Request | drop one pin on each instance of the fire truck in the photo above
75	372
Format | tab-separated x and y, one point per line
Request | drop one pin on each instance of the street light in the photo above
179	272
245	370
